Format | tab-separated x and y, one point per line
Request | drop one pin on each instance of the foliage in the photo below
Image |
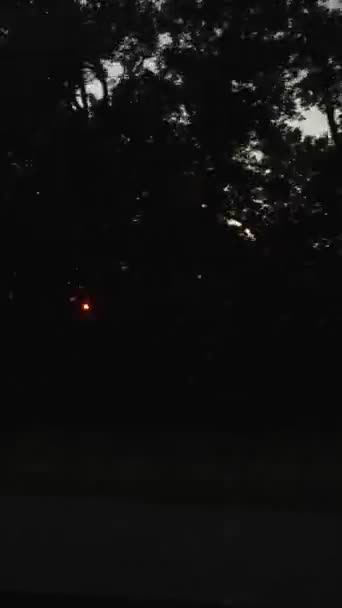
189	158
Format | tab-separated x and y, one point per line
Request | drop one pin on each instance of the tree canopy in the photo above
162	140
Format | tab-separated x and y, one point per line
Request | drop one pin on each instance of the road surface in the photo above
98	546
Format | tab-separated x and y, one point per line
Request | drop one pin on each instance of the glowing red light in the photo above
86	307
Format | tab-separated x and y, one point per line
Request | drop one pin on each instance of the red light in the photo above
86	307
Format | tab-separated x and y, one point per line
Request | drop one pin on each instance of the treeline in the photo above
179	202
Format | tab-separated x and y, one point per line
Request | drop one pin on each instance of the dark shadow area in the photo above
9	599
170	293
169	232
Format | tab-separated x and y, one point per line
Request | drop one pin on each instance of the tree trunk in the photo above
335	205
84	95
105	90
330	110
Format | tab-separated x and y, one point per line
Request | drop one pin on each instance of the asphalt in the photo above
98	548
60	538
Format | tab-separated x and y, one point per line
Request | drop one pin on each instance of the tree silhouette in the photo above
182	188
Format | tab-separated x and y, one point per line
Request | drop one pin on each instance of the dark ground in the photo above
10	599
194	517
292	470
97	547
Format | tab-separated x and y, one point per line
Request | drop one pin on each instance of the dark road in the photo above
92	546
110	515
97	547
